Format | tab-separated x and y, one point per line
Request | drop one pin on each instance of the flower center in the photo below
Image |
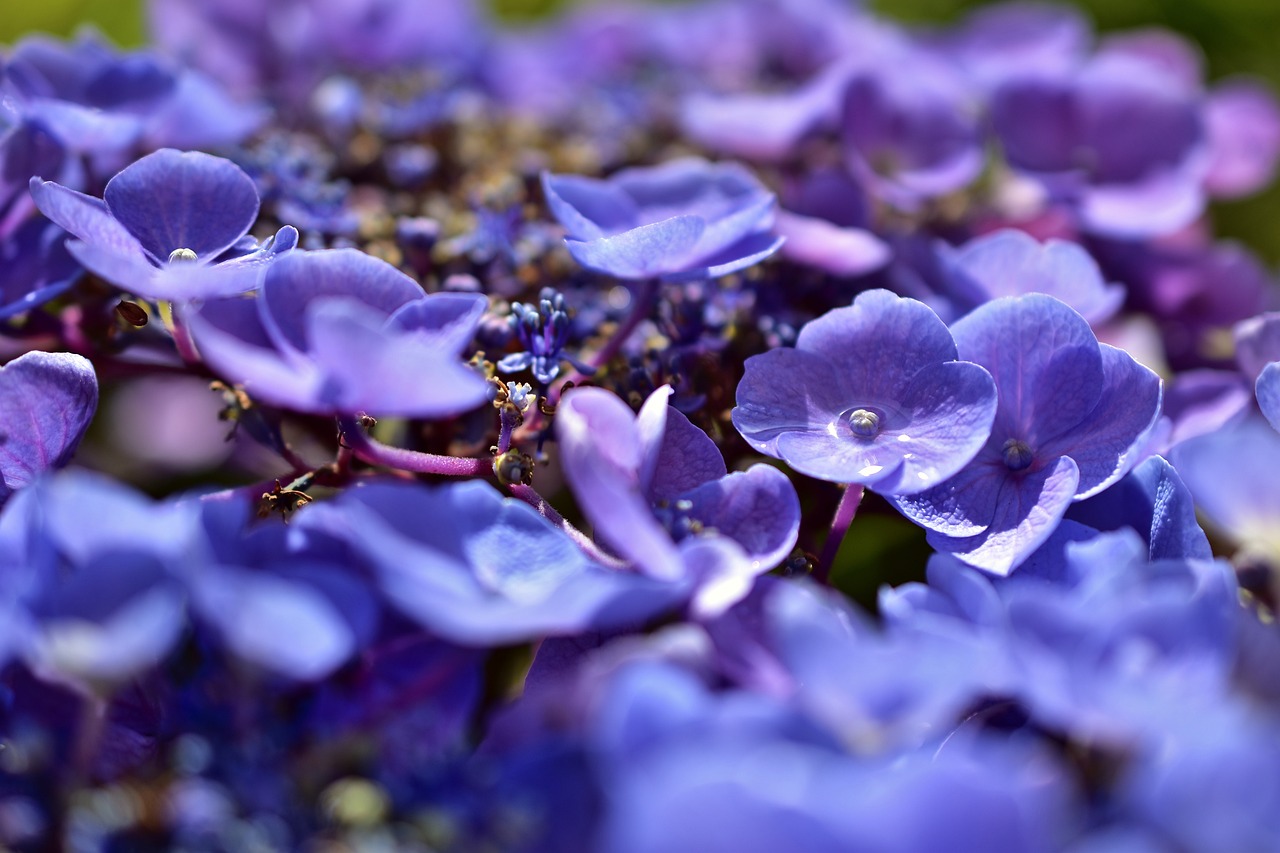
864	423
678	519
1017	455
181	256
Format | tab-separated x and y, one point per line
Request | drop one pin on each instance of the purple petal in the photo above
877	344
445	320
173	200
84	129
722	574
1027	512
187	282
601	456
231	339
1105	447
763	127
1257	343
747	252
690	185
1044	359
756	508
840	458
253	610
950	409
845	252
1231	475
1268	390
784	390
364	369
1159	204
962	506
724	233
46	403
488	570
687	459
201	115
297	278
651	427
25	150
643	252
588	208
87	218
1035	120
1244	138
130	272
1011	263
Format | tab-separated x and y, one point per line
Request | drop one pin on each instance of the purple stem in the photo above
182	338
641	307
508	419
376	453
845	511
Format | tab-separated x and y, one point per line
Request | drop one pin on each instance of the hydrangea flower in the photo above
170	226
46	403
681	220
910	137
1241	502
99	101
256	584
1011	263
1116	136
486	570
1072	415
37	266
1258	355
656	489
871	394
98	601
339	331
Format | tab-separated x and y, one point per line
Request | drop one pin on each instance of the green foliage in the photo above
122	20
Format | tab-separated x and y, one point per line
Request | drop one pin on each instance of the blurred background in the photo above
1237	37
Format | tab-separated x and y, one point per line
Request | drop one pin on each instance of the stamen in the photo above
181	256
1017	455
864	424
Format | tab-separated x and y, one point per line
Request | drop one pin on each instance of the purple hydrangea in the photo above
258	583
99	603
1011	263
46	403
910	137
339	331
1117	137
681	220
485	570
172	225
871	394
656	489
99	101
1072	416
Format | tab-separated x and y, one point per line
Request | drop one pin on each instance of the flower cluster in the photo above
419	433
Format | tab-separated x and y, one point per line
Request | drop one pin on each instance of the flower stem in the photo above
508	420
646	293
845	511
376	453
181	334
